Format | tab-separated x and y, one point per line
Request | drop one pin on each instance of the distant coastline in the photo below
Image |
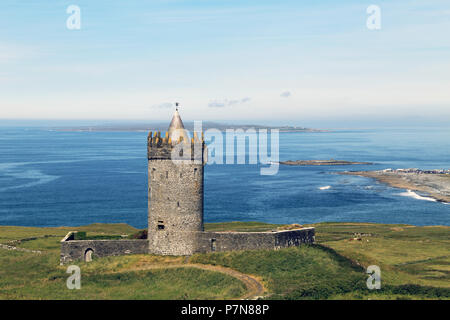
435	183
330	162
188	125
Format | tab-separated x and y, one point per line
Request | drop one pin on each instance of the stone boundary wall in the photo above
72	250
229	241
290	238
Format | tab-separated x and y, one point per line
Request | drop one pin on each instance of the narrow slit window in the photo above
213	245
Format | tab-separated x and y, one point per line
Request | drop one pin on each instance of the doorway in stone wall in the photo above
88	255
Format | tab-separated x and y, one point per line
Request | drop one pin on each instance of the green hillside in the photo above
414	261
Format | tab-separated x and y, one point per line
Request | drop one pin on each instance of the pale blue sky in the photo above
297	61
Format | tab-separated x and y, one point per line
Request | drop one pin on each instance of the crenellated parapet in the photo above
164	148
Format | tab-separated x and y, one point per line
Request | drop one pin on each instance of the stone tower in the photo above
175	190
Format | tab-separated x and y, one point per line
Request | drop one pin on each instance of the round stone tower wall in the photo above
175	199
175	206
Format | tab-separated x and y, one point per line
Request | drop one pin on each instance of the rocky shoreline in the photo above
435	185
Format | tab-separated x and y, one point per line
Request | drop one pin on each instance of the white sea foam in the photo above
414	195
325	188
128	172
17	171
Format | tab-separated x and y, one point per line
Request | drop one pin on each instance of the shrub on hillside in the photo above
141	234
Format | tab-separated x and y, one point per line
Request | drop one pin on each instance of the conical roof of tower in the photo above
176	128
176	122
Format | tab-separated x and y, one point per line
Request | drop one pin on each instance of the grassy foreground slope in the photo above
34	275
294	273
414	262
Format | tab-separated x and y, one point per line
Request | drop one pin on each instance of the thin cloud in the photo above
285	94
164	105
227	103
216	104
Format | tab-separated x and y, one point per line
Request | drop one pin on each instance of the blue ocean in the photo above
68	178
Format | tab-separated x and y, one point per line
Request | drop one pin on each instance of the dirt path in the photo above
255	288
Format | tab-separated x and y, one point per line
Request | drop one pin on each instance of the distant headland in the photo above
436	183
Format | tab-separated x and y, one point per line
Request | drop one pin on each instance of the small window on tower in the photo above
160	225
195	172
167	174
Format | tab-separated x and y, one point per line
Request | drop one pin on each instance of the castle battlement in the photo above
164	148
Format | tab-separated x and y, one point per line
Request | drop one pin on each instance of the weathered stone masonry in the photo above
229	241
175	195
72	250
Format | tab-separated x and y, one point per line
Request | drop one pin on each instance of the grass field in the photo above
414	262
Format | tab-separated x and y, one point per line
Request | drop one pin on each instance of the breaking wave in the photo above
414	195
